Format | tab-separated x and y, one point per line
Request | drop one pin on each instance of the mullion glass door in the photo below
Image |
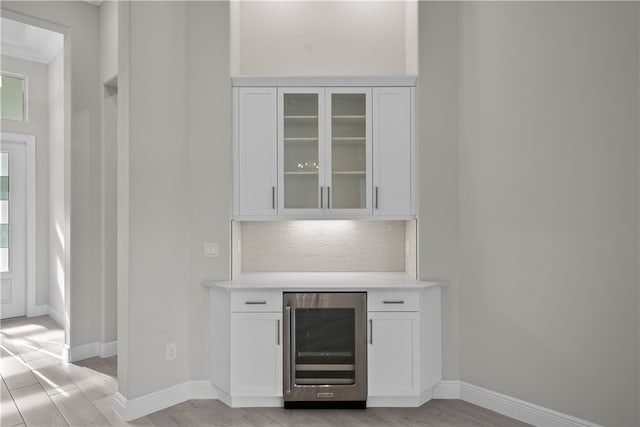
350	171
301	151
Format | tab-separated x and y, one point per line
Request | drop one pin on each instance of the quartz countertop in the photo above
333	280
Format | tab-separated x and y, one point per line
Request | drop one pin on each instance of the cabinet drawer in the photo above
393	300
256	302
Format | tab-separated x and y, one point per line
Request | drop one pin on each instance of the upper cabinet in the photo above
323	152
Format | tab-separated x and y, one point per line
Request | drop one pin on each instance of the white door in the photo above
257	161
256	354
393	356
392	151
13	268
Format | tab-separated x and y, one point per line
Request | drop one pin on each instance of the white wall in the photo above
56	252
322	38
437	147
38	126
82	156
210	155
108	77
178	162
108	41
549	204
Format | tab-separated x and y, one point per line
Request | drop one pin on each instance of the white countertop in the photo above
307	281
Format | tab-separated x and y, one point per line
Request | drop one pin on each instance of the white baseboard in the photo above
108	349
37	310
93	349
507	405
447	390
130	409
399	401
84	351
56	316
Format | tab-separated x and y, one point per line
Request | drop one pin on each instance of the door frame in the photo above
30	169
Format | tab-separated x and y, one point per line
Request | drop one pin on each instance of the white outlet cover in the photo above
211	250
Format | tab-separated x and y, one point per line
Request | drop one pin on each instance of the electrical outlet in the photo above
171	351
211	250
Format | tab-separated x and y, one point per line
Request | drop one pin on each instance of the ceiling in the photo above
28	42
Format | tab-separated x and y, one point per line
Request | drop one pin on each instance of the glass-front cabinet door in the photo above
324	151
301	150
349	150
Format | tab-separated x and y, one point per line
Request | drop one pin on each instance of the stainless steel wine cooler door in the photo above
325	352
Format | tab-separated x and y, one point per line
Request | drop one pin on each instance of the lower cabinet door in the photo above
393	368
256	354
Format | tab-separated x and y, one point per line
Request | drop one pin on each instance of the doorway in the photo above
17	224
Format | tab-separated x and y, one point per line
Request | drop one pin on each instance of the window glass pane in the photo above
4	235
12	98
4	212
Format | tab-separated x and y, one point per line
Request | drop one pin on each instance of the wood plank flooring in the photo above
38	389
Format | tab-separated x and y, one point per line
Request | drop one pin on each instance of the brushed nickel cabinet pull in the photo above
321	197
393	302
376	197
328	197
278	332
371	331
255	302
273	197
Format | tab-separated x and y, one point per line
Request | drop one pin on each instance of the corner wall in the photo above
549	204
437	148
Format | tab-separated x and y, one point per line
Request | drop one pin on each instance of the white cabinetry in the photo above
320	151
256	354
255	151
404	361
393	353
246	355
324	151
393	151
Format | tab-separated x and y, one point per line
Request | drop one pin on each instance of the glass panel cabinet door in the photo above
301	150
349	136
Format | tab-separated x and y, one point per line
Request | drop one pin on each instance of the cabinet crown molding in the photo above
328	81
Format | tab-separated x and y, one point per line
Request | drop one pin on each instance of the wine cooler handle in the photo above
287	346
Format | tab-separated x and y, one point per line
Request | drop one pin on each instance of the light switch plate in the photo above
211	250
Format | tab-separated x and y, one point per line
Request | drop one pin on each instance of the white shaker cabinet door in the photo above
392	151
256	174
256	354
393	354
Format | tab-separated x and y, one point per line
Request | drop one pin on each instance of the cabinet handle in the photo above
255	302
321	197
393	302
328	197
278	332
376	197
273	197
371	331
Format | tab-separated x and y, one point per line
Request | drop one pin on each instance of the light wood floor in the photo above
38	389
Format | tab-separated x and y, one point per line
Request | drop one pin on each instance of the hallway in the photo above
38	389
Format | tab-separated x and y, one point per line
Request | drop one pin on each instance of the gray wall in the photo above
177	138
548	179
437	147
38	126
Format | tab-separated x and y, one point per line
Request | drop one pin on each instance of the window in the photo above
12	95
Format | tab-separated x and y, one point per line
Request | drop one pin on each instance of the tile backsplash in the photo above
316	245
